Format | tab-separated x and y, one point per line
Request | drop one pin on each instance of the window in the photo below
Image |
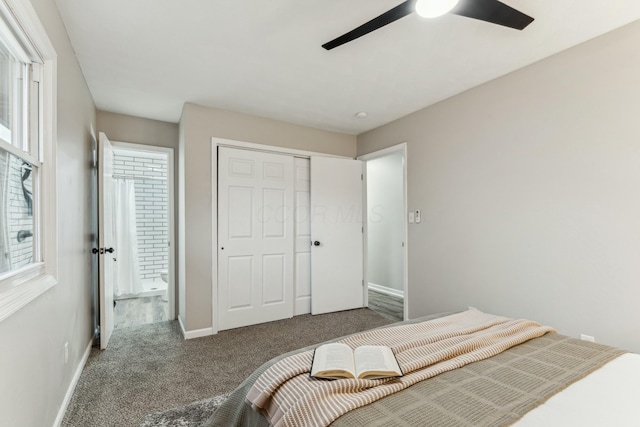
28	262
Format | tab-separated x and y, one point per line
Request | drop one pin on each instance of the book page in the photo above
333	360
374	361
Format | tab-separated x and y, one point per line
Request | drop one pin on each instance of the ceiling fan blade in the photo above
493	11
400	11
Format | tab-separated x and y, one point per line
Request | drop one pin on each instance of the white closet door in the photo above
106	238
303	237
255	237
336	232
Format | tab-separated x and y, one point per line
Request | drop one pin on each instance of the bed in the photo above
546	380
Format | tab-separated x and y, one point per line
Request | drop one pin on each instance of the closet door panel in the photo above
255	237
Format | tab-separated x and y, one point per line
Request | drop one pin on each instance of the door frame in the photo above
171	286
252	146
402	147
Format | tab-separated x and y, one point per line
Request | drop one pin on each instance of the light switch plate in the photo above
411	218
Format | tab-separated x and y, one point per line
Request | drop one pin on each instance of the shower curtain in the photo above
127	279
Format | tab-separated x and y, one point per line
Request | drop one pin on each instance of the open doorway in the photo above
142	207
386	267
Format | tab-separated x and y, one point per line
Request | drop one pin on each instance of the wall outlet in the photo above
589	338
66	353
418	216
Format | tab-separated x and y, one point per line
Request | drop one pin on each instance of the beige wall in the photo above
124	128
197	126
529	188
34	377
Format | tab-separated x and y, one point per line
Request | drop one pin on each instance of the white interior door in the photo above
255	237
106	237
302	237
337	235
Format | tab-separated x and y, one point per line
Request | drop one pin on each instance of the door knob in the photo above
316	243
110	250
95	250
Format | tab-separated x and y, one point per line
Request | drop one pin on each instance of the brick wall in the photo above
18	215
151	207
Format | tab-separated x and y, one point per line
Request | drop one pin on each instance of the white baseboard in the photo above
188	335
386	290
72	385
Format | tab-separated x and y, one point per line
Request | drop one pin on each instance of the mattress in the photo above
606	397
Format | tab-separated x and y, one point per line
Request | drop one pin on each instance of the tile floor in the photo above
140	311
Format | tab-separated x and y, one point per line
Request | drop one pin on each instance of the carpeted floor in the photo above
150	368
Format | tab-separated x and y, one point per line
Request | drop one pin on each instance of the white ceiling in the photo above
147	58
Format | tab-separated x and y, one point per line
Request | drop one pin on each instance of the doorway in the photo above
136	221
386	232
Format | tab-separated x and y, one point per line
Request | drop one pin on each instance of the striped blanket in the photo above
288	396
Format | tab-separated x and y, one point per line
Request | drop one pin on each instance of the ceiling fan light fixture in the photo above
434	8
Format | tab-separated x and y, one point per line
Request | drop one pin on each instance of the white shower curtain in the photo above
127	279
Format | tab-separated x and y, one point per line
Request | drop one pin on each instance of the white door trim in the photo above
222	142
402	147
268	148
173	241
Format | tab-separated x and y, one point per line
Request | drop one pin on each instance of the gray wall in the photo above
197	126
385	224
34	375
529	189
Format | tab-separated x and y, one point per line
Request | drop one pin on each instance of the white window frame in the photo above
20	287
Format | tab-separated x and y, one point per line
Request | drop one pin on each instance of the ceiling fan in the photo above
491	11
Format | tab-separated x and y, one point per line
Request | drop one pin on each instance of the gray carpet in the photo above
150	368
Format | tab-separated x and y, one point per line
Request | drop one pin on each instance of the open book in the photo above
337	360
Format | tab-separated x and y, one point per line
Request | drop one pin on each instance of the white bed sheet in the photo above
609	396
